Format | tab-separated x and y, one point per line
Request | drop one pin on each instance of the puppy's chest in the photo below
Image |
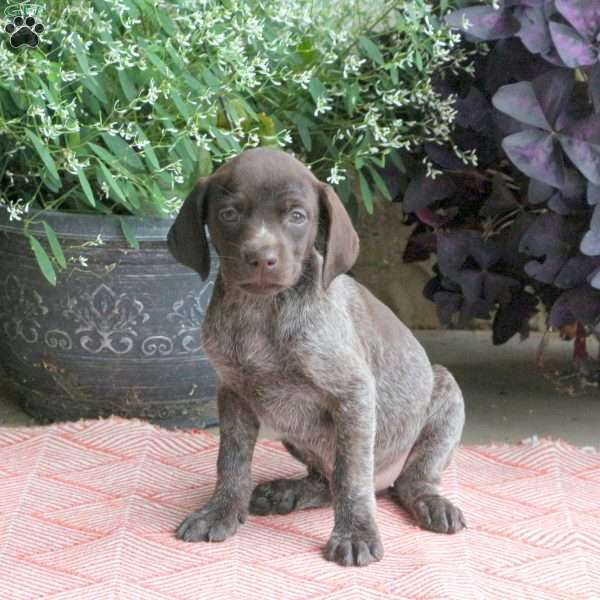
239	347
267	372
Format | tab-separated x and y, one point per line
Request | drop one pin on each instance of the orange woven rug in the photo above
88	509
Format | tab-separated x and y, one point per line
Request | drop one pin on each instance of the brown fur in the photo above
302	347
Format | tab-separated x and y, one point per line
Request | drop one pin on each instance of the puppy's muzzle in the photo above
263	267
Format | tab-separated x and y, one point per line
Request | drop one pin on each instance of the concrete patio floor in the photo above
507	396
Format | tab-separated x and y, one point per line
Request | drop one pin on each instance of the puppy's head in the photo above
263	209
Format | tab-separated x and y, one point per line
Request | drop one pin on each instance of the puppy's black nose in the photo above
263	258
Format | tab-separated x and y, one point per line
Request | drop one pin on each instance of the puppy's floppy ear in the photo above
186	239
341	240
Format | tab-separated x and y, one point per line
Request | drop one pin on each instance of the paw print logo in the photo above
24	31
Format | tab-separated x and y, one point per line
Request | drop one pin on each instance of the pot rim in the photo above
68	224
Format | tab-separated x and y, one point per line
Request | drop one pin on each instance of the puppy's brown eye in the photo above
229	215
297	216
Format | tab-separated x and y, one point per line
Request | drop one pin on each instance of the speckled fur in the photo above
347	386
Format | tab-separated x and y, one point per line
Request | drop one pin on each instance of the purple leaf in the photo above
419	246
590	243
510	61
584	15
485	252
563	205
578	304
474	310
539	192
553	90
534	31
428	217
513	317
581	143
572	48
518	100
550	237
473	111
546	271
594	279
497	287
423	191
536	154
539	102
447	304
595	221
485	22
453	249
544	236
471	283
593	193
499	201
443	156
595	86
575	271
569	199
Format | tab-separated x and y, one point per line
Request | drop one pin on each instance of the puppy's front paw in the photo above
358	545
438	514
214	522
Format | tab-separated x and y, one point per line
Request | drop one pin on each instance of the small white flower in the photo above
322	105
83	260
336	175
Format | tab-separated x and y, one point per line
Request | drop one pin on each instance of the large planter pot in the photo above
118	336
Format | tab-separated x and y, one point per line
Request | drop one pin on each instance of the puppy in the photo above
305	349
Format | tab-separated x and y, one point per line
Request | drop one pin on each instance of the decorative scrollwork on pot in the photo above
21	307
189	314
107	320
55	338
157	344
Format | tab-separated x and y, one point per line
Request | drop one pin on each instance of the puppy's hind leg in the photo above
416	488
282	496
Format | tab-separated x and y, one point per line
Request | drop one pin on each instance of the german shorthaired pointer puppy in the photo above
302	347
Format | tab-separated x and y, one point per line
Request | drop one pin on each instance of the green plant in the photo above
124	104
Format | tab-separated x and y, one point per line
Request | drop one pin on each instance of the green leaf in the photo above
126	85
42	259
397	160
182	106
210	79
205	165
371	49
45	156
112	183
380	183
418	60
157	62
104	154
81	54
85	186
365	192
55	245
350	97
166	22
129	234
394	74
94	87
151	158
303	125
316	88
121	149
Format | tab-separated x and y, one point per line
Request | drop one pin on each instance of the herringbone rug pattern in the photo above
88	509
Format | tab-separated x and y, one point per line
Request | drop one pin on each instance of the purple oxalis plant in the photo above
521	229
